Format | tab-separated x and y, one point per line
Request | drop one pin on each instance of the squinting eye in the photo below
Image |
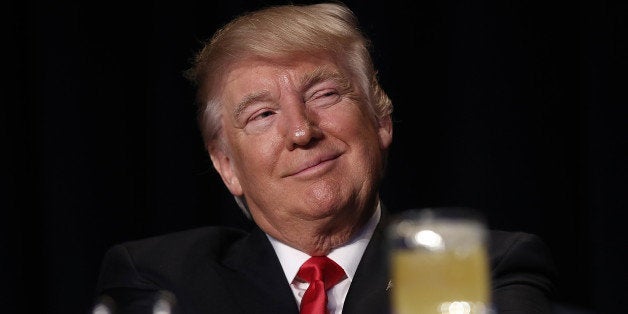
326	96
263	114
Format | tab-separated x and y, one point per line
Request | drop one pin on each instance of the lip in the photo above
313	166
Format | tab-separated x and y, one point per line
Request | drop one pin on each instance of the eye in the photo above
262	115
259	121
324	97
325	93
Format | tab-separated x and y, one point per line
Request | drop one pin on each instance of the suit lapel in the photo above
256	276
369	290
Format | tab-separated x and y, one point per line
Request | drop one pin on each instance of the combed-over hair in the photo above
280	32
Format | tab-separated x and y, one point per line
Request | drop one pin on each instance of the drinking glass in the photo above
438	262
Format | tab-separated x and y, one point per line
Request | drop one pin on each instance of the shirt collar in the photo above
347	256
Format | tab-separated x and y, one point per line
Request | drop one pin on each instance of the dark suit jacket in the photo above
220	270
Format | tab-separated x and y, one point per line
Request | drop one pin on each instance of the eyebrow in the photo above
322	74
248	100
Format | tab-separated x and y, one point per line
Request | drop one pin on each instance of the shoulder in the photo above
146	263
207	241
510	249
522	272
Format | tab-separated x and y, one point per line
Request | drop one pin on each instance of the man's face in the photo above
301	144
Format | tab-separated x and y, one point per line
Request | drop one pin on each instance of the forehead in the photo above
253	70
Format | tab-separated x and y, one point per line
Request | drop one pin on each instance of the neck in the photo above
320	237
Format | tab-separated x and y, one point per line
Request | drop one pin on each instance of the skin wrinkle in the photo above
331	201
320	74
248	100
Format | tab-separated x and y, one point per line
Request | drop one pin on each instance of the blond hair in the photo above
280	32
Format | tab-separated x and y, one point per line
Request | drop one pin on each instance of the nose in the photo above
301	127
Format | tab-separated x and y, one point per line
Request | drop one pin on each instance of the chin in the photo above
325	199
320	211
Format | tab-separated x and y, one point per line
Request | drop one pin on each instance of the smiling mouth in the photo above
315	166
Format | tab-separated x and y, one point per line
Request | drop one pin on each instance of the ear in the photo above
224	165
385	132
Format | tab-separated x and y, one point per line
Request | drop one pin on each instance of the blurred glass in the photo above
104	305
438	262
164	303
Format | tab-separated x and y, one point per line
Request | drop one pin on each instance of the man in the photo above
298	128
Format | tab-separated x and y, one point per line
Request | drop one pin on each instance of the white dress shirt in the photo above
347	256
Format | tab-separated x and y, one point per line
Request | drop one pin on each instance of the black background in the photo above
516	108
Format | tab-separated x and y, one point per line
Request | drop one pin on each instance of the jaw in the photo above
317	231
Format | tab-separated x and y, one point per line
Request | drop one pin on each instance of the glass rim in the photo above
444	212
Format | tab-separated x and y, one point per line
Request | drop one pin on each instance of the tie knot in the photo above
321	268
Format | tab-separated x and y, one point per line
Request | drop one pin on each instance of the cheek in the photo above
256	155
357	129
344	123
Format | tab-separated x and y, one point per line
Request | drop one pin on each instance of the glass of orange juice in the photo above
438	262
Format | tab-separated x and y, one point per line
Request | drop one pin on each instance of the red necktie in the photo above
322	273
